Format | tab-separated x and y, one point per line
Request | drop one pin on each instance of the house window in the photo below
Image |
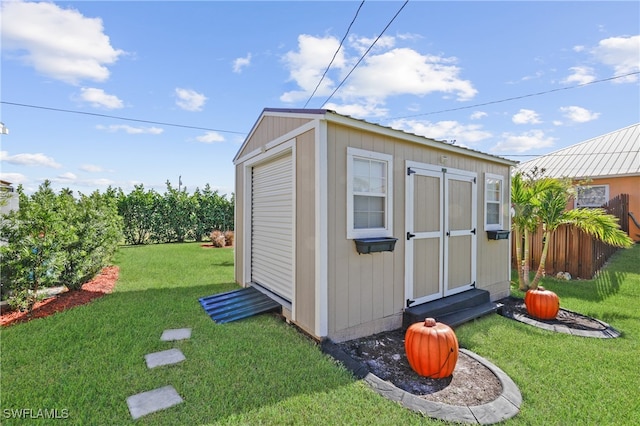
369	198
493	200
591	196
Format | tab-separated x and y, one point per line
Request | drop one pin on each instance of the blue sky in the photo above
445	70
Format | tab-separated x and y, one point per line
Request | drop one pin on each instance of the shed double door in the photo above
441	207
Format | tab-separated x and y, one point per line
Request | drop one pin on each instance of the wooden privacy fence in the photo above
573	251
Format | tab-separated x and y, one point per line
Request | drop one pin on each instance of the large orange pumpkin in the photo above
542	303
431	348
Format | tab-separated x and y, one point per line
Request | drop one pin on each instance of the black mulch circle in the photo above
566	321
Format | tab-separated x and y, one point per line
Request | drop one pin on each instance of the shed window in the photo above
493	201
368	194
592	196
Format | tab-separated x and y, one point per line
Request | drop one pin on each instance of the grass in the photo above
261	371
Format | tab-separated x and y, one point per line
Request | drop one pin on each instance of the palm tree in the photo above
551	212
525	193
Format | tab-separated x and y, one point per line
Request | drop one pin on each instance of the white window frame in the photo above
387	230
500	202
581	190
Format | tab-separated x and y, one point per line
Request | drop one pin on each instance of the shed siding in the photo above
268	129
366	292
239	226
306	211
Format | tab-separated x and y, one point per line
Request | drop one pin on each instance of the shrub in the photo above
217	239
228	235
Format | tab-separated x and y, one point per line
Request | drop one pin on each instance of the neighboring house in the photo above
315	189
8	197
604	167
9	200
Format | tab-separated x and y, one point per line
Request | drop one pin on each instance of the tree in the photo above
551	213
31	259
525	190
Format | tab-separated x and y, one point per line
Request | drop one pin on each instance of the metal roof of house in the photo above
611	155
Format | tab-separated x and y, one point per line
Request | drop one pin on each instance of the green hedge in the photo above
58	239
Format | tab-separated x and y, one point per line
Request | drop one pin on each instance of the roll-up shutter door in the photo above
272	225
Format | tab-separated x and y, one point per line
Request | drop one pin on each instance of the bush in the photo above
228	235
218	239
56	240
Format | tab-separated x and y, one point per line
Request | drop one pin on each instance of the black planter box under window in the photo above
498	235
375	245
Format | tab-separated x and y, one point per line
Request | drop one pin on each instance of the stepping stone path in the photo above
165	397
168	357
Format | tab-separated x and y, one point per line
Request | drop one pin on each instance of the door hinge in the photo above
473	284
409	302
410	236
448	233
474	180
473	231
409	171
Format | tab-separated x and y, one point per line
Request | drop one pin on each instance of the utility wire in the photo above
365	53
121	118
335	54
518	97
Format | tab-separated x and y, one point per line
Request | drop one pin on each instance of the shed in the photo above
349	223
604	167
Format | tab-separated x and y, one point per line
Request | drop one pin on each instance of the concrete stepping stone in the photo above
176	334
155	400
170	356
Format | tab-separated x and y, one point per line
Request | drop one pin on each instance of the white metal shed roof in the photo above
611	155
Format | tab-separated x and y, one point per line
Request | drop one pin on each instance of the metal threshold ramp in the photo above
237	304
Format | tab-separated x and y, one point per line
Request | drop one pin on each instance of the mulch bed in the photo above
101	285
383	354
513	307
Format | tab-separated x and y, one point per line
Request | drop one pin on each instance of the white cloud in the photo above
580	75
210	137
240	63
578	114
358	110
533	139
578	48
92	168
98	98
38	159
307	65
190	100
14	178
620	53
361	44
69	178
59	43
130	129
477	115
385	72
526	116
464	135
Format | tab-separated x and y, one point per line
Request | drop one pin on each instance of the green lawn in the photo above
88	360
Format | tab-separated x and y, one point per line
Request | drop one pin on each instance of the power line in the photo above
121	118
335	54
365	53
518	97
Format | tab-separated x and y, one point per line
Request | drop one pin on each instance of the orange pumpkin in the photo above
431	348
542	303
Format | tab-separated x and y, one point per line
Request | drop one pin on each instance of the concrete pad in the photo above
149	402
171	356
176	334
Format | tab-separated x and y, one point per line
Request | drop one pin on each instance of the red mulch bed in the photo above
101	285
